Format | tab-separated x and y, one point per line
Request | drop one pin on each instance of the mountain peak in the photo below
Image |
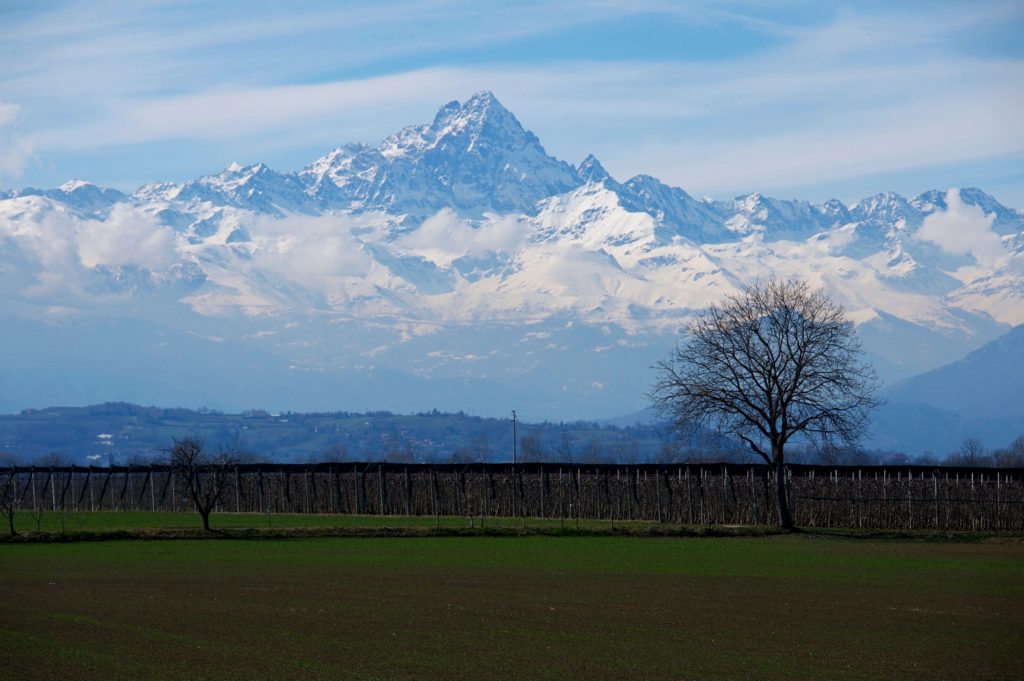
474	156
72	185
591	170
482	103
480	111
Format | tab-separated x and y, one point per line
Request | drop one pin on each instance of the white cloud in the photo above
54	250
8	114
312	251
868	91
15	150
961	229
448	234
126	238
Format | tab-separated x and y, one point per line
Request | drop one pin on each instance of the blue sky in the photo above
794	99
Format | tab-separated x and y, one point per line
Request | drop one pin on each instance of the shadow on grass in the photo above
656	531
392	531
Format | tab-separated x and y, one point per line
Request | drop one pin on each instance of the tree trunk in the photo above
206	520
785	519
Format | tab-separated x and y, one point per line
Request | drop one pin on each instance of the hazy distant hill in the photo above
988	382
981	395
123	433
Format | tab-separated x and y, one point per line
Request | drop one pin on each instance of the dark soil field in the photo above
537	607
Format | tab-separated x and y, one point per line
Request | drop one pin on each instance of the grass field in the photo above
785	607
114	521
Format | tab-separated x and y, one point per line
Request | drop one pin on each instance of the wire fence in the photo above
905	497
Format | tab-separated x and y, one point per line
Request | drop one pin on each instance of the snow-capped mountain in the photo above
474	157
457	264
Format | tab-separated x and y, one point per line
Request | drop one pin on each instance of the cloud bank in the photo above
58	250
963	229
446	233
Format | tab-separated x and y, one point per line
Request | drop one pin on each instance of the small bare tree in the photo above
776	361
1011	456
207	477
531	448
9	499
972	452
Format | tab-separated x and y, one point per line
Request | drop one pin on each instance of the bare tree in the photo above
564	450
1011	456
207	477
530	448
774	362
972	452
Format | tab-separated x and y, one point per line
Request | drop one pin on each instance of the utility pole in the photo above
513	437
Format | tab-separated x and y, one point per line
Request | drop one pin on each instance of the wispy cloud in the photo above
15	150
449	235
865	90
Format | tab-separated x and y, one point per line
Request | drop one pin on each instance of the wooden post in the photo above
489	495
462	504
543	491
725	493
64	490
360	482
910	501
433	496
998	500
81	494
106	483
163	491
753	497
561	498
522	493
577	495
408	493
336	478
53	488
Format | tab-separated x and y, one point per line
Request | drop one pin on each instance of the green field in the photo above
84	522
785	607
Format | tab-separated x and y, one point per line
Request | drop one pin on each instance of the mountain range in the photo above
458	265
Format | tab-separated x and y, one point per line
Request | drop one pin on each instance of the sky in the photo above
795	99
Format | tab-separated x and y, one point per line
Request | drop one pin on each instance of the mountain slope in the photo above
988	382
979	396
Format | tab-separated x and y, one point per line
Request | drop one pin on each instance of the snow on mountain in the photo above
83	197
474	157
464	233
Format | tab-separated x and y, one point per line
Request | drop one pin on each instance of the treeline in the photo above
119	433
